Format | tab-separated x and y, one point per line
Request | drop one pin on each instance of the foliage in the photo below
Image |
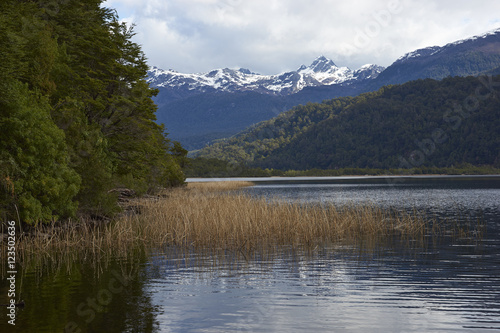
424	123
36	177
260	139
215	168
77	114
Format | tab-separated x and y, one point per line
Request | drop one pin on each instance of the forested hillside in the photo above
420	123
197	117
76	115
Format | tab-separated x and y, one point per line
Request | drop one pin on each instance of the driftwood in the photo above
123	193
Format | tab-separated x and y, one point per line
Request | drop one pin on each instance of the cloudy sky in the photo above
272	36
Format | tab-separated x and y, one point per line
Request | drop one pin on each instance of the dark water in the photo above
449	286
451	196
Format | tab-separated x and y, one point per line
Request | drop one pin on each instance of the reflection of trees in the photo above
84	297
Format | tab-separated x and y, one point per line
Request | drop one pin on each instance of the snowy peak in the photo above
434	50
368	72
218	79
322	65
322	71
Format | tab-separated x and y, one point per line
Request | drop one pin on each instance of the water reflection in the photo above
332	290
452	284
83	296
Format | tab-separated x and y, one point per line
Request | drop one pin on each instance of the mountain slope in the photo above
203	118
471	56
424	122
190	102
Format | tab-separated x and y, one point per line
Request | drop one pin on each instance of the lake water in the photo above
452	285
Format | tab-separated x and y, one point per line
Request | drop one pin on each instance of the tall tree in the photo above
73	65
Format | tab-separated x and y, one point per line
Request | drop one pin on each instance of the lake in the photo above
450	284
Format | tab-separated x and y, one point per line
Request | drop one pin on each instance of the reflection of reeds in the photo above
200	216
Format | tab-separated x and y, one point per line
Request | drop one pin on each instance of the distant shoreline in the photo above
345	177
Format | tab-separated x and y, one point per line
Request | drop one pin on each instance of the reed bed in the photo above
207	216
238	221
218	186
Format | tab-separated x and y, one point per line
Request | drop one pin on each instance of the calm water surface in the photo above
449	286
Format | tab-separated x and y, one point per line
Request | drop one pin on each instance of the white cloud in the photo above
270	36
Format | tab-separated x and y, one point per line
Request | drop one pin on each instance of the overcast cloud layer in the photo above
272	36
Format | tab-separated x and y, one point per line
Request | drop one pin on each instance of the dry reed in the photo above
202	219
201	216
218	186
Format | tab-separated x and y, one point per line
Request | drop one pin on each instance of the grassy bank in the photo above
207	216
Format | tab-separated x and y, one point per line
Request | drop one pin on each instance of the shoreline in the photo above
327	178
204	216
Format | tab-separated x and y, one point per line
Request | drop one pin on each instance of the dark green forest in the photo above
420	124
76	114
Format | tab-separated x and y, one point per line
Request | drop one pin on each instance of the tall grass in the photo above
218	186
202	219
200	216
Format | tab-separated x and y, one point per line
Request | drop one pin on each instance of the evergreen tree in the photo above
77	117
37	180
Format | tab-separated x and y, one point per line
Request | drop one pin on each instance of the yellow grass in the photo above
218	186
200	216
204	219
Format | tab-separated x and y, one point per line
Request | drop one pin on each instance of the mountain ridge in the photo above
432	50
471	56
195	113
322	71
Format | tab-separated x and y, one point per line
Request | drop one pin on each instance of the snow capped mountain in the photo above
471	56
425	52
195	118
434	50
493	32
368	72
322	71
